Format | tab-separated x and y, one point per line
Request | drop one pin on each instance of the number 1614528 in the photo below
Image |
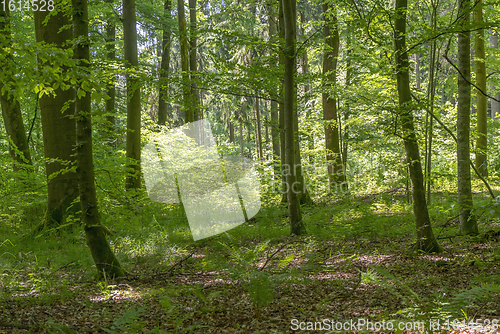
28	5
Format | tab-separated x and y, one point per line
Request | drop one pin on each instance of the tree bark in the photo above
165	66
281	105
104	259
468	223
133	179
481	102
193	61
336	174
183	41
259	132
11	109
111	55
425	236
495	105
297	226
58	124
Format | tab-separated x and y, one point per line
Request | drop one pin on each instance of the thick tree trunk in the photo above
468	224
133	179
336	174
425	236
183	41
11	109
297	226
104	259
165	67
193	68
481	102
58	125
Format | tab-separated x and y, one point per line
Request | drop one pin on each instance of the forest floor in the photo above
355	272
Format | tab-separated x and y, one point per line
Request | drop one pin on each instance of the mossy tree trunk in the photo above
425	236
336	170
297	226
468	223
58	124
104	258
193	58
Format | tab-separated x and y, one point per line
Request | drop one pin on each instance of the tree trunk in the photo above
183	41
336	169
11	109
275	128
495	105
111	92
468	224
347	104
425	236
193	61
133	179
281	105
297	226
165	67
104	258
58	125
259	132
482	103
231	131
242	146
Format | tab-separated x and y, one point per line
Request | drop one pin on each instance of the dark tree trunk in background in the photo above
11	109
495	105
165	67
106	263
297	226
259	132
58	125
468	224
425	236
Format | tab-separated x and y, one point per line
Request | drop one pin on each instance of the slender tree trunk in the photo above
482	103
275	128
468	224
102	254
347	108
165	67
231	131
259	132
242	146
495	105
336	169
133	179
183	41
195	95
418	79
281	105
297	226
58	125
111	92
425	236
11	109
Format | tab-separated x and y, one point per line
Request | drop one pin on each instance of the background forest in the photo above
388	111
